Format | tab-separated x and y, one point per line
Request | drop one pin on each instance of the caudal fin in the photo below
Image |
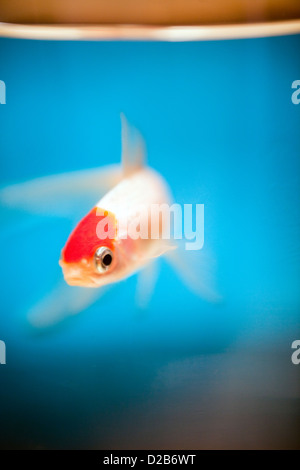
196	269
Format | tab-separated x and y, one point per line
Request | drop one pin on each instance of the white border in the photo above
149	33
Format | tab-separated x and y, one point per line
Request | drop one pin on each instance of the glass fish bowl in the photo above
213	88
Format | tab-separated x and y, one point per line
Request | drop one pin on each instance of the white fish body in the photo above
129	191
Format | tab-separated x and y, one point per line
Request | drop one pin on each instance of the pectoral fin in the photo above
157	248
61	194
62	302
147	278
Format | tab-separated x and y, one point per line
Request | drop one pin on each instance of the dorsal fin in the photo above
133	148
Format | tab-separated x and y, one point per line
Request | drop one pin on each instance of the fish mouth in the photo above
75	275
80	282
73	280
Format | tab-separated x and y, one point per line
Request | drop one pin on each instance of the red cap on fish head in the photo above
97	228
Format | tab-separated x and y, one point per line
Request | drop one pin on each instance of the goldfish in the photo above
93	258
89	261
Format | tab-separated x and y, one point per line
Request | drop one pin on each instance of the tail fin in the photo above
196	271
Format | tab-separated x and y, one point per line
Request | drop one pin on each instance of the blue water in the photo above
220	126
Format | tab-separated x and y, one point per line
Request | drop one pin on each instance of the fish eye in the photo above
103	258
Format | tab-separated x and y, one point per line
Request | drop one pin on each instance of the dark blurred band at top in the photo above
147	12
76	19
